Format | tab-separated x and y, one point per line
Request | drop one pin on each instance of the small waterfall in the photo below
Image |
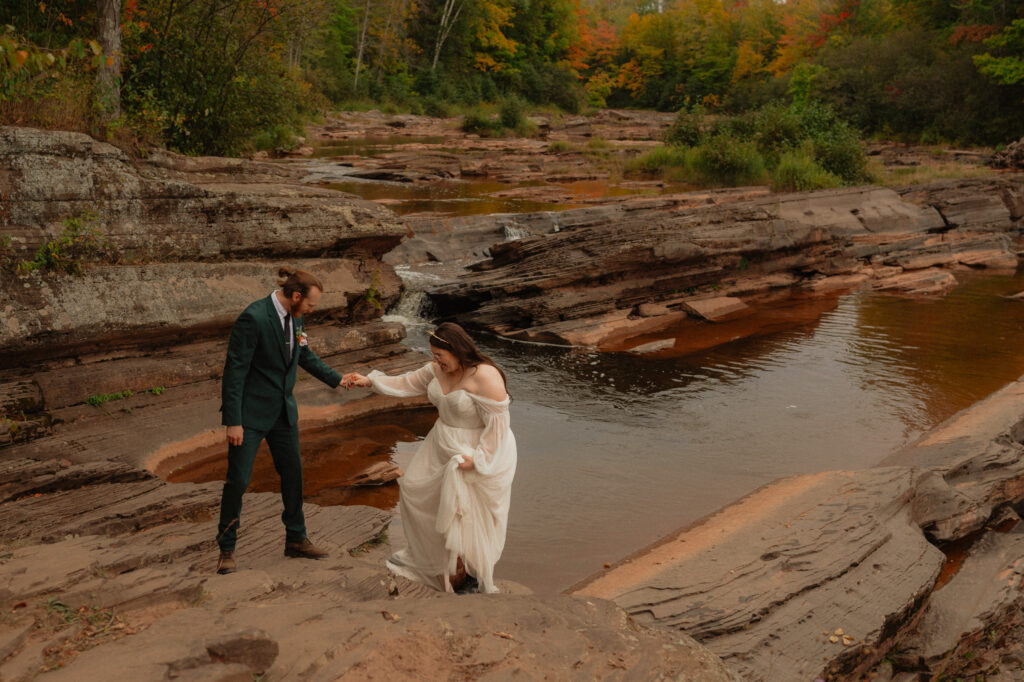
413	308
410	307
513	232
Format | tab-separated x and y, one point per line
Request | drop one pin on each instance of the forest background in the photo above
229	76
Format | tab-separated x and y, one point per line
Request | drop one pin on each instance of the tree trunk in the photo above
108	76
447	21
384	42
362	46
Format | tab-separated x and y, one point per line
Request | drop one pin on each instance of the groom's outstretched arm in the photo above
311	362
241	347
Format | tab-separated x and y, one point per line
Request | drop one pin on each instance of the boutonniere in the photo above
300	336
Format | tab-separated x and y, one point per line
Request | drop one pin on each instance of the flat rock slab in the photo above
142	598
855	210
478	637
761	582
718	308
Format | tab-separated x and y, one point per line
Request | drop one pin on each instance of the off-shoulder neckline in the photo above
476	396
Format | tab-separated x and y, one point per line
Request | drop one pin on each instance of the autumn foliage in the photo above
218	76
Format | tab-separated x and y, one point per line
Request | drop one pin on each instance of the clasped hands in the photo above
355	380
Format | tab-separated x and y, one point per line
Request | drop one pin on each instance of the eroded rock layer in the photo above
822	576
585	283
151	262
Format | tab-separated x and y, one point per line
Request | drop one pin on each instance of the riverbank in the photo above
827	575
106	566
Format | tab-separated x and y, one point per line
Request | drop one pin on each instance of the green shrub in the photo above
657	160
276	138
797	171
562	146
839	152
726	161
80	242
101	398
436	107
688	130
478	122
511	115
778	128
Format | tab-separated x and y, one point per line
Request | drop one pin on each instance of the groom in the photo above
267	343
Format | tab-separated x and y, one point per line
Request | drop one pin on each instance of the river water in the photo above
617	451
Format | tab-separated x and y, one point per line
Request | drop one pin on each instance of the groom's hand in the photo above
355	379
235	434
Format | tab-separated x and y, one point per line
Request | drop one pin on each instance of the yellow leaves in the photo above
484	62
493	47
839	635
749	62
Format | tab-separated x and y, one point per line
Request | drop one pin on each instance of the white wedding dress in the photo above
448	512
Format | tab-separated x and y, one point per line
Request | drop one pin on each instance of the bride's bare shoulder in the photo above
488	382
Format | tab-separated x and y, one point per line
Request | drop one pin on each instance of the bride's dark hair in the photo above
454	339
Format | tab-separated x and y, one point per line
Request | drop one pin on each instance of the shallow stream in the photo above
617	451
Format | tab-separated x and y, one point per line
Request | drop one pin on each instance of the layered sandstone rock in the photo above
822	576
108	573
184	244
584	282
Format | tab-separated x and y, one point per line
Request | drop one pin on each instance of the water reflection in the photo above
954	351
331	457
447	197
618	451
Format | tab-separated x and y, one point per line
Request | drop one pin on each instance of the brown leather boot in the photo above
226	564
303	550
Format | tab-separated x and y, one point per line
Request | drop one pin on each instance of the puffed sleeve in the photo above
404	385
496	452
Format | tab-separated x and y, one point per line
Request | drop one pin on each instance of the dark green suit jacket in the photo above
258	374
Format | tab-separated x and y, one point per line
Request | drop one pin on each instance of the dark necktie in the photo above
288	333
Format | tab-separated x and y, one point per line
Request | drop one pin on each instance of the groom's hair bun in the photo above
297	280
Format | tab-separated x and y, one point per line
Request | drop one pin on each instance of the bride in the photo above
455	493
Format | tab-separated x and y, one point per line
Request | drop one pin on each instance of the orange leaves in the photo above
972	34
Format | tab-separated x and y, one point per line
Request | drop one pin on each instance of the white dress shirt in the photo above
283	314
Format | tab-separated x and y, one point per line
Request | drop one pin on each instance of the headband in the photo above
435	336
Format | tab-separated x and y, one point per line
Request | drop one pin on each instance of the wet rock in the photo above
377	473
718	308
653	347
822	575
983	600
571	284
760	582
928	282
